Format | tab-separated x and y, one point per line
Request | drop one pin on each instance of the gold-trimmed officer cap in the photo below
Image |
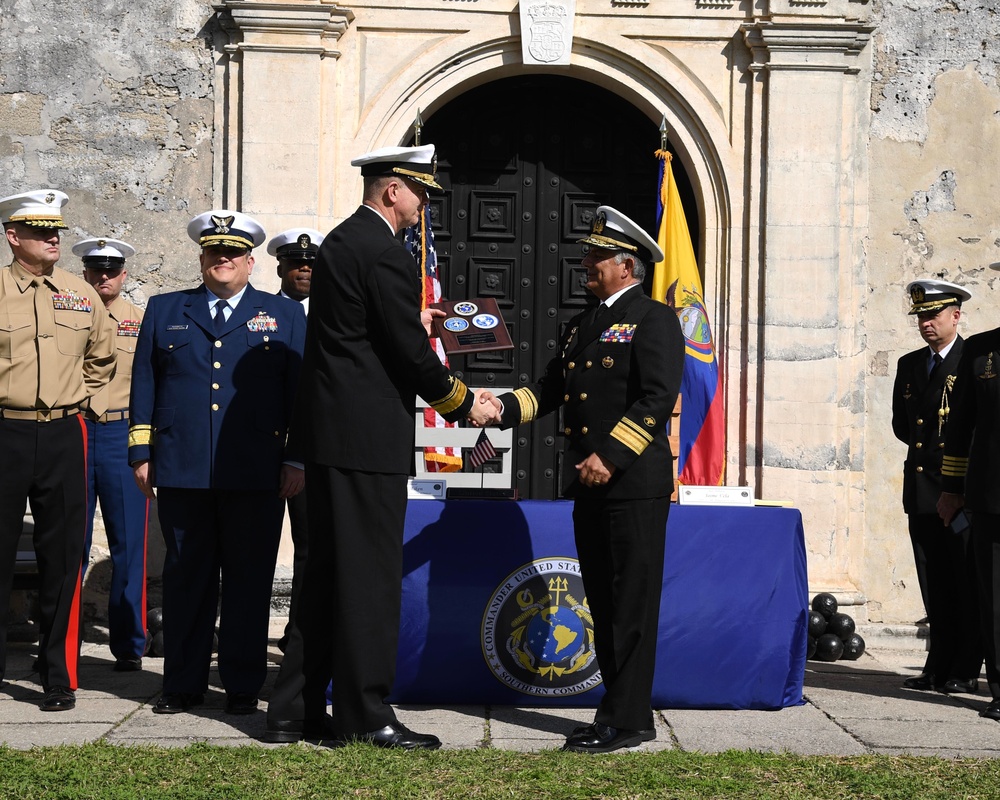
416	163
41	208
297	244
612	230
102	252
225	228
933	295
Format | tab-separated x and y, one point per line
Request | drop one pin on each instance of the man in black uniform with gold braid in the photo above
970	479
617	378
920	411
367	357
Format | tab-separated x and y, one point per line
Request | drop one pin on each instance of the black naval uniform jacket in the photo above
367	354
972	446
618	379
917	421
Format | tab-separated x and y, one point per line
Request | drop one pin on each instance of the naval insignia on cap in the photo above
304	241
931	295
222	223
224	228
612	230
296	244
40	208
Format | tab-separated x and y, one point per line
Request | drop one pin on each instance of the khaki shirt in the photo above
57	352
125	321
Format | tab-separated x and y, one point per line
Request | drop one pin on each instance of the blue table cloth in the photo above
494	611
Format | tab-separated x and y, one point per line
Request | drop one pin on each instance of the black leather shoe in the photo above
924	682
959	686
602	738
283	731
992	711
396	735
128	665
177	703
241	703
58	698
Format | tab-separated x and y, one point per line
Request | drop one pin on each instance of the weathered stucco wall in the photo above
113	103
935	145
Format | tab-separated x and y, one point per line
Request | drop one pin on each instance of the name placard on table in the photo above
714	496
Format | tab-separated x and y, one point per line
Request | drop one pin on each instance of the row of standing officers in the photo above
214	373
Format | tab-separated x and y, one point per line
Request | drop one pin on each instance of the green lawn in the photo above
254	773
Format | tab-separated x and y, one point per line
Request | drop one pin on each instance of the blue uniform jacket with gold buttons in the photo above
617	381
920	413
211	411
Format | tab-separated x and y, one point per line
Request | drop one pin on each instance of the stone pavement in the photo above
851	708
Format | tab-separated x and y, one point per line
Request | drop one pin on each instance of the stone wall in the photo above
934	147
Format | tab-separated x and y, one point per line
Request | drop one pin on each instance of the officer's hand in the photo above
427	319
485	409
948	505
595	470
143	472
293	481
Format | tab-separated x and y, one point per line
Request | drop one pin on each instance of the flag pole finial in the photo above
418	123
663	133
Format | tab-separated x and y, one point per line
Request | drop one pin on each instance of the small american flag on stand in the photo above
482	452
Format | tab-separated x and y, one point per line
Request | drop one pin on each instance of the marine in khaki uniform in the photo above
616	380
124	507
56	351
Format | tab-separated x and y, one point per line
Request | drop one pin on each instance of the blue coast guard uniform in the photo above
124	508
210	411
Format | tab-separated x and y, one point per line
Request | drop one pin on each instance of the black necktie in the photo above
220	314
599	312
935	363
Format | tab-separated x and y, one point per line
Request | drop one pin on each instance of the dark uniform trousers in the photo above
621	546
46	462
367	510
986	552
125	511
298	518
208	531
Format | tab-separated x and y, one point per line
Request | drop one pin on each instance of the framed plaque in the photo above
471	326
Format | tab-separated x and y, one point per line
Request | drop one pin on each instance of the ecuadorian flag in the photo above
677	282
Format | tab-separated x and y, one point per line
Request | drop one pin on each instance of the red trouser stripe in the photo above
73	630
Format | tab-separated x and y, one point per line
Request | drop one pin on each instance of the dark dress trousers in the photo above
971	467
945	566
617	380
211	410
367	358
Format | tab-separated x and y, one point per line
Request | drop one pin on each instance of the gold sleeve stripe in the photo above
954	466
140	435
453	400
636	428
630	438
528	402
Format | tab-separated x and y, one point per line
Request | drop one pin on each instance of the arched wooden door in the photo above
525	162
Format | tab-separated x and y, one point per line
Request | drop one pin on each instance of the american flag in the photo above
419	239
482	452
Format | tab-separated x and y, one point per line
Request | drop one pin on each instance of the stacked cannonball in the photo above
154	630
831	634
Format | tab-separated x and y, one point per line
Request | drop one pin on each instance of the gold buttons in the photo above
918	445
920	469
277	433
215	406
920	422
217	365
940	444
567	431
583	395
589	364
584	430
565	398
571	365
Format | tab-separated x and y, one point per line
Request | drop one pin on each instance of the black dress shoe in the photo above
924	682
283	731
58	698
128	665
241	703
992	711
177	703
396	735
600	738
959	686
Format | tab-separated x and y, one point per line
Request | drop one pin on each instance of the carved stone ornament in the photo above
547	31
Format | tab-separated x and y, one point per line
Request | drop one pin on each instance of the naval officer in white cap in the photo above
124	509
921	402
367	357
213	385
616	380
55	354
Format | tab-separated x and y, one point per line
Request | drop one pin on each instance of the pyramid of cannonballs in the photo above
831	634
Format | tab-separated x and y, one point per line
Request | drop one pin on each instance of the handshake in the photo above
486	410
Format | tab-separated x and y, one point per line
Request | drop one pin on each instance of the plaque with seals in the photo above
471	326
